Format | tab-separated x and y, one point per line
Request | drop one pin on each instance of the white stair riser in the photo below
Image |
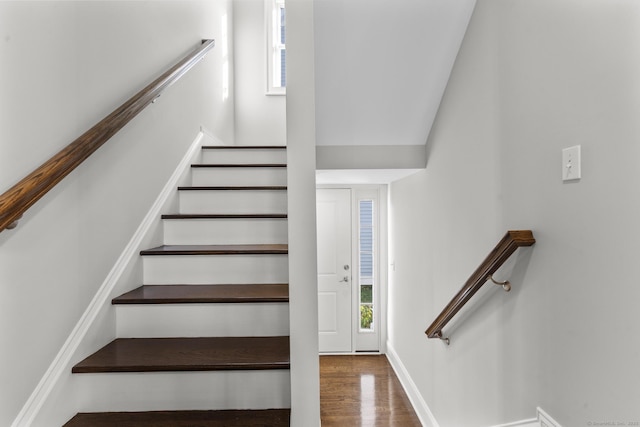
238	176
215	269
202	320
149	391
243	156
233	201
226	231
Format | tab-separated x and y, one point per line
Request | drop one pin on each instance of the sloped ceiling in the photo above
381	67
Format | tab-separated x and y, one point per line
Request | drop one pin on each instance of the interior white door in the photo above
334	269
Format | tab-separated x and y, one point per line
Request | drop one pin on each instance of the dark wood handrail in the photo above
15	201
503	250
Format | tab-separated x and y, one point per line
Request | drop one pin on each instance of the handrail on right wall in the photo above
503	250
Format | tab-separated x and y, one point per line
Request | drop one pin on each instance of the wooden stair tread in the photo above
224	216
234	187
244	147
188	354
181	294
224	418
238	165
263	249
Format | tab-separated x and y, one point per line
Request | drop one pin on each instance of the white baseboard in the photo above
545	420
426	416
212	139
542	420
58	367
419	405
533	422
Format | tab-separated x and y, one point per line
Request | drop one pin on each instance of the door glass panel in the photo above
366	294
366	317
366	268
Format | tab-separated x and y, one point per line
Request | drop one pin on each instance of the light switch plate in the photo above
571	167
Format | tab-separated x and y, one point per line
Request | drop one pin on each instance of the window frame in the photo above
374	339
274	47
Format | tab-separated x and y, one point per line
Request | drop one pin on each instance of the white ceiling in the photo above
381	67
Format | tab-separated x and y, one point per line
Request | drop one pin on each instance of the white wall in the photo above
260	119
65	65
532	77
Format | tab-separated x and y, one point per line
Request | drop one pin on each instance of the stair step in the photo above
233	199
187	294
215	269
183	391
224	229
233	174
185	311
251	319
244	154
226	418
188	354
273	249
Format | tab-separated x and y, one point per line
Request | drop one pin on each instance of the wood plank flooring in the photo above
362	391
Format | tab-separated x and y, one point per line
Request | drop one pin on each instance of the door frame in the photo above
381	246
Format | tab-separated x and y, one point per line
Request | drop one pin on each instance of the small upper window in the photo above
276	52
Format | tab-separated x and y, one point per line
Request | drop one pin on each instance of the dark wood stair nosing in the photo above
235	188
224	216
237	165
244	147
261	249
276	417
188	355
205	294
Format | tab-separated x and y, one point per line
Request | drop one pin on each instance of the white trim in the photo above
419	405
207	134
542	420
545	420
358	194
383	228
34	404
533	422
381	203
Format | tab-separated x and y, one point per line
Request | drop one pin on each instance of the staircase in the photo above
204	342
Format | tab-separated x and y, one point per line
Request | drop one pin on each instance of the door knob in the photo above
344	279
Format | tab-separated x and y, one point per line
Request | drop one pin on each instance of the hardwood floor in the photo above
362	391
